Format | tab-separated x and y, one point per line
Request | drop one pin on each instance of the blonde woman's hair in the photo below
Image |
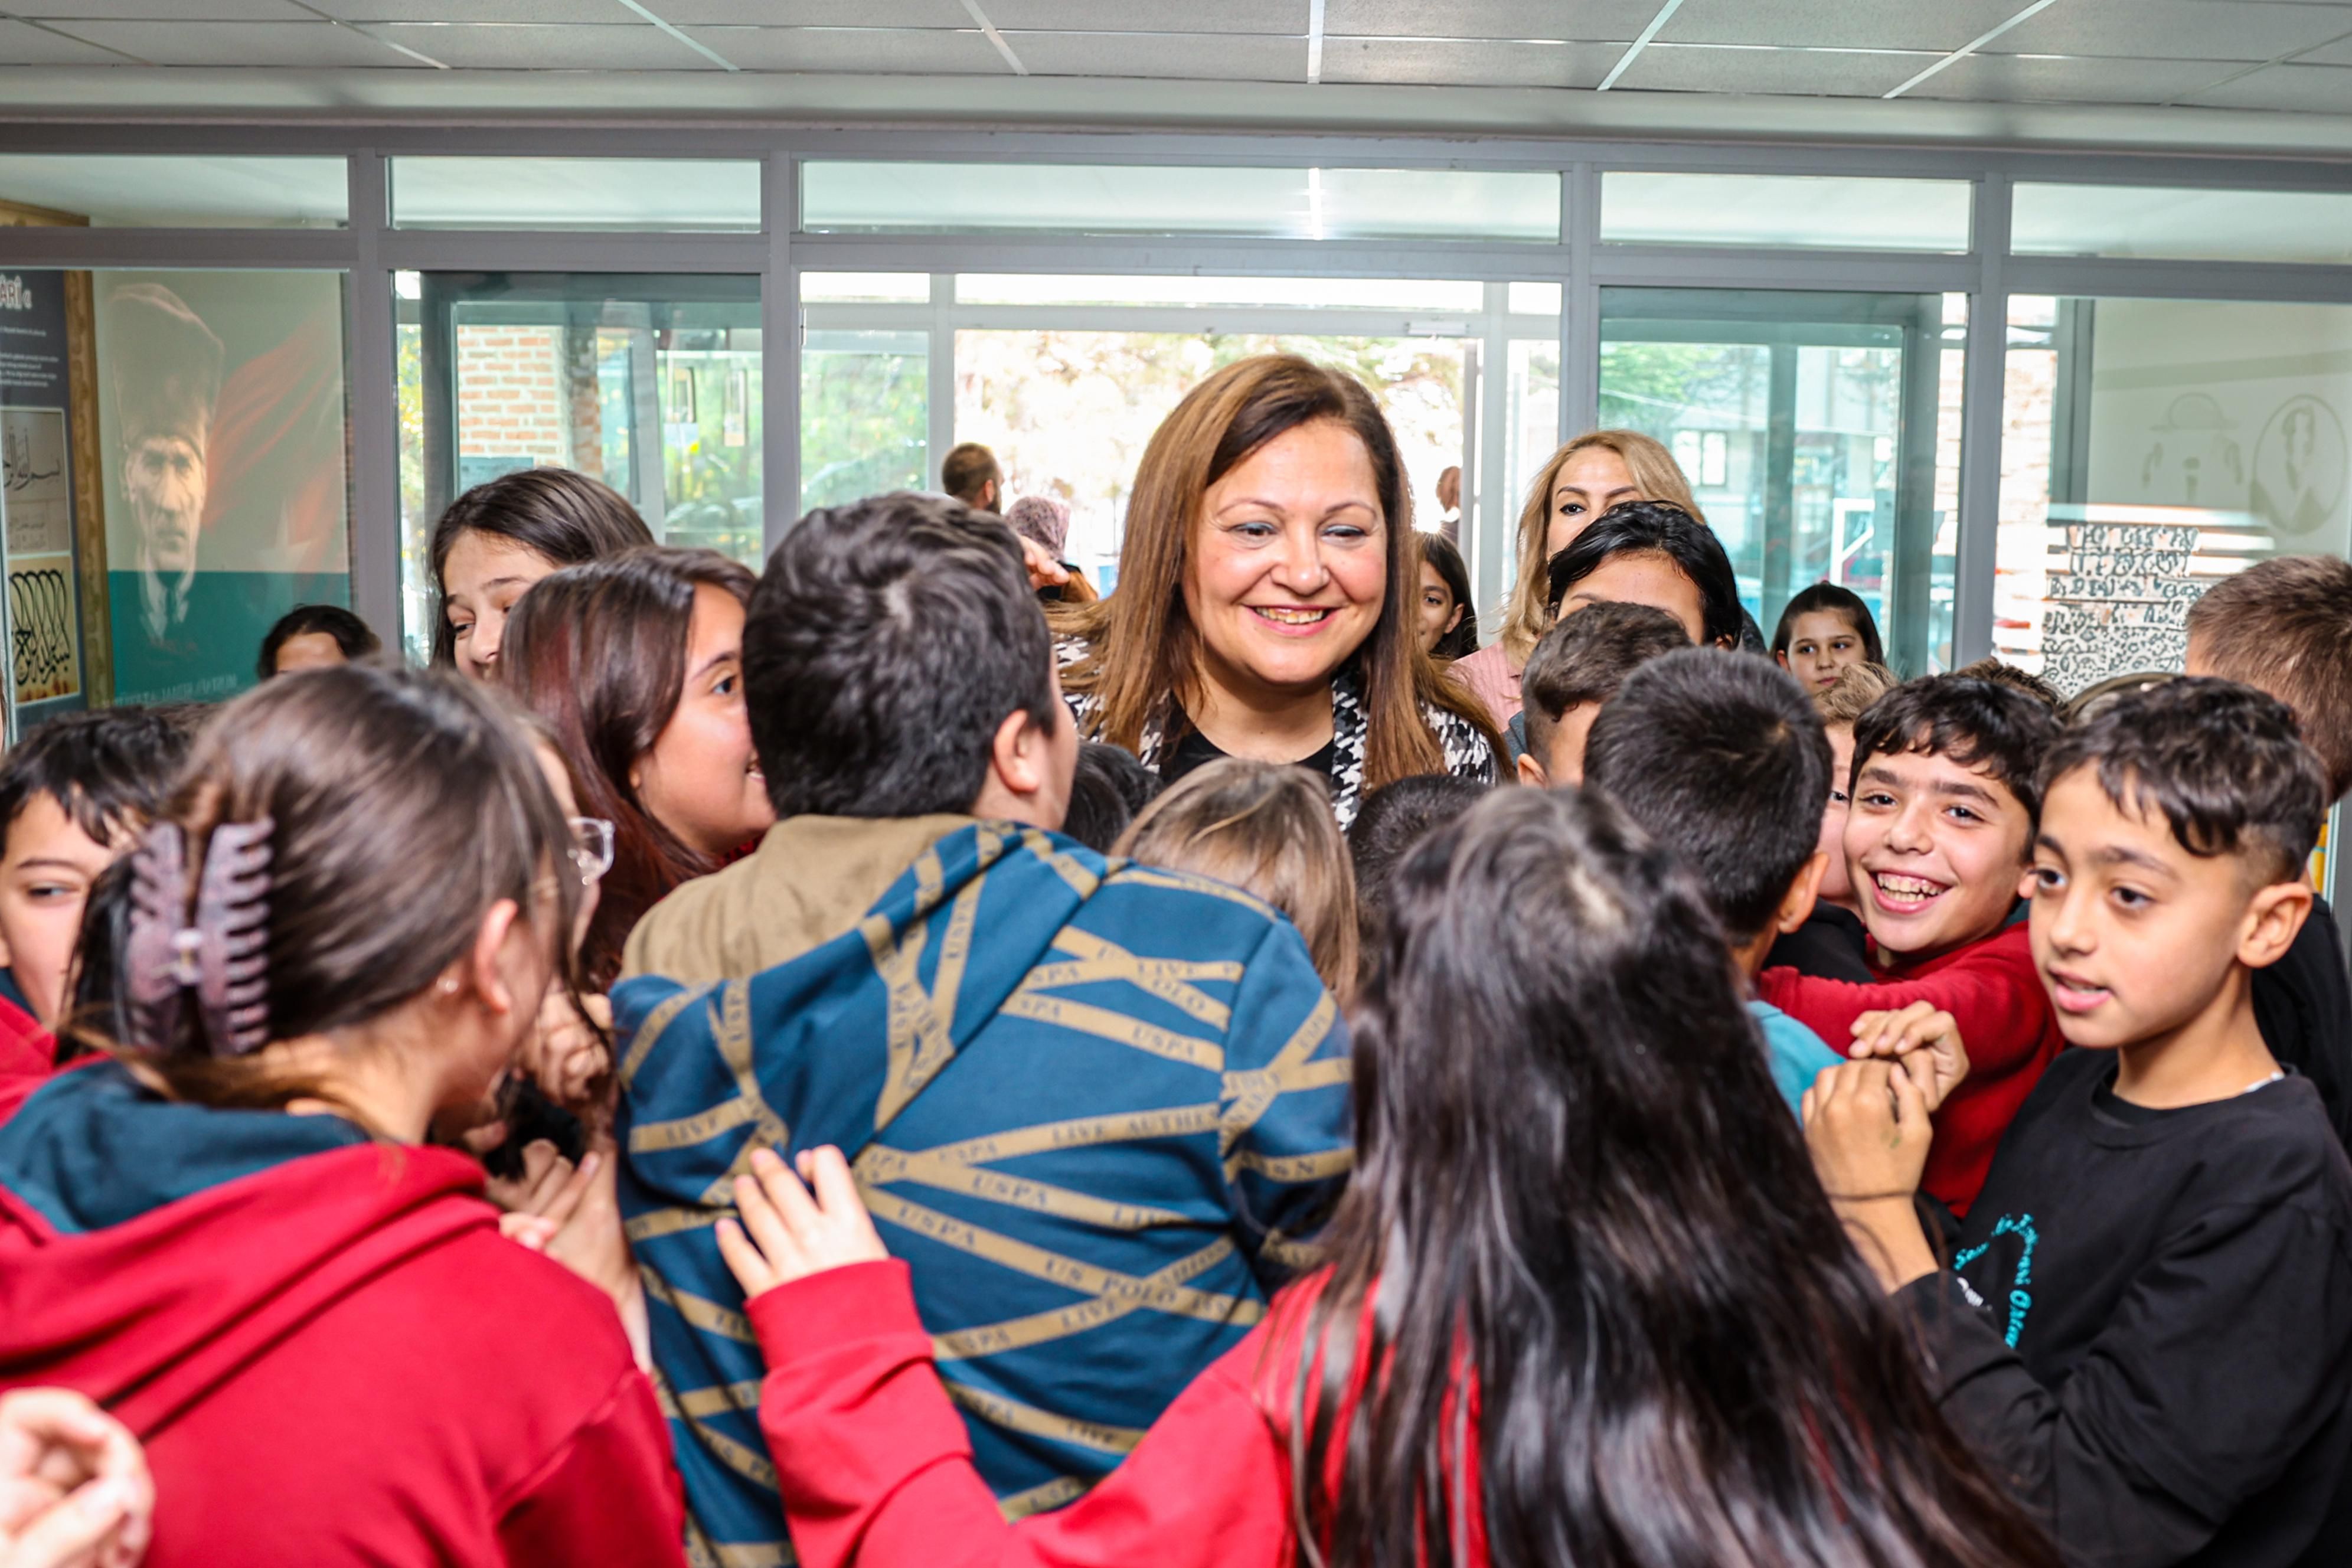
1654	473
1267	828
1856	688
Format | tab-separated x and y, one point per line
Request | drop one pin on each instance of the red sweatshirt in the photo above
332	1359
875	1466
27	1055
1991	988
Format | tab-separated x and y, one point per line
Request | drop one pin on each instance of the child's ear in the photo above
488	979
2274	919
1531	771
1780	656
1804	891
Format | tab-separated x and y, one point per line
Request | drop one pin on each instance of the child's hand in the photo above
566	1054
795	1232
1866	1125
74	1487
1925	1039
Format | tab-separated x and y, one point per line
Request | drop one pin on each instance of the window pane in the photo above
222	434
1070	413
2154	446
2182	224
651	384
1535	299
1313	293
1818	212
1819	434
866	288
864	416
179	193
1301	204
669	195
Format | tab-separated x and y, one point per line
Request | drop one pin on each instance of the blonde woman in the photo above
1268	599
1266	829
1599	470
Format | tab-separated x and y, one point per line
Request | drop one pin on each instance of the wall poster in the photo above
42	618
223	441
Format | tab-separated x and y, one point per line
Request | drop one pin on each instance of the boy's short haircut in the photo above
2009	675
1393	819
2222	762
108	770
1978	723
965	471
1586	656
1724	762
1849	697
883	647
1837	601
2285	626
1108	789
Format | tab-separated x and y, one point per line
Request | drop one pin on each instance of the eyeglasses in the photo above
592	847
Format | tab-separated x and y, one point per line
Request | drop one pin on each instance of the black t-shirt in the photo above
2150	1329
1831	945
2304	1003
1196	750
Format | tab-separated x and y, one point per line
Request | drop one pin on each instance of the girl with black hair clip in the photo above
332	941
1584	1303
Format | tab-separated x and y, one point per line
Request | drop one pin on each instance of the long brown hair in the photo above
1655	471
1268	828
1578	1201
598	651
403	806
1143	648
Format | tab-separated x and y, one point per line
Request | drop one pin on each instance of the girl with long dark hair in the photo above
503	535
634	664
232	1231
1654	553
1584	1301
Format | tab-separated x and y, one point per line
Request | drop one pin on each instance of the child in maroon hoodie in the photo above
1531	1194
1938	839
227	1230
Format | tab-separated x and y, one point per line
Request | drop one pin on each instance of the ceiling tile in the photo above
1467	62
21	44
2007	79
1277	17
1598	21
878	51
2338	53
300	44
2171	30
525	46
1816	73
2309	89
1191	56
812	13
1941	25
473	10
163	10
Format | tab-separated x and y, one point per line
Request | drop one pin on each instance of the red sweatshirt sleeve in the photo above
876	1469
611	1495
1993	992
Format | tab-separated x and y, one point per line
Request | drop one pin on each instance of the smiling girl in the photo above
1267	604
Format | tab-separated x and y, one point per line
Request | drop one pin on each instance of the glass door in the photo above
650	384
1821	435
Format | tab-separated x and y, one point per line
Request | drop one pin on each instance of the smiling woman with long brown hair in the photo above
1265	595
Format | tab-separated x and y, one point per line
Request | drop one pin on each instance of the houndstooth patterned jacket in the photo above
1468	753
